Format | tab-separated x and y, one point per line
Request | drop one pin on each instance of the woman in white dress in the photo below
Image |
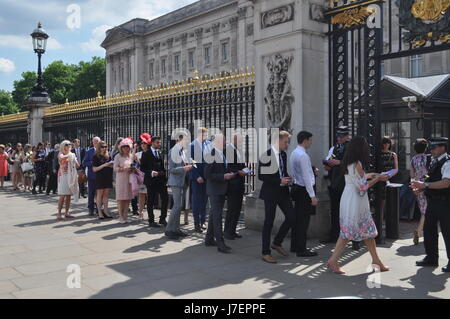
355	217
67	178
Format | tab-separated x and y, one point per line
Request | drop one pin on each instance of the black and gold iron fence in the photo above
218	101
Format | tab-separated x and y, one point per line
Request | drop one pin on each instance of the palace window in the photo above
151	70
176	62
415	66
163	66
191	59
224	46
208	55
439	129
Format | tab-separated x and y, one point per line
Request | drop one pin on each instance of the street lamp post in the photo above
39	45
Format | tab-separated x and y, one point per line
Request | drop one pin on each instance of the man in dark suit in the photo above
217	174
198	183
152	164
80	153
236	187
272	171
52	169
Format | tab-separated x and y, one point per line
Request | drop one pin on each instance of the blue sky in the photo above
76	29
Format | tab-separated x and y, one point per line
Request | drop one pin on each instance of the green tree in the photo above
7	105
23	87
91	78
59	80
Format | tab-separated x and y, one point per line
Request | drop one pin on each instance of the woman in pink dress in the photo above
3	165
123	168
419	169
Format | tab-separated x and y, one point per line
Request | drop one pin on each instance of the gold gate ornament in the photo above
430	11
353	17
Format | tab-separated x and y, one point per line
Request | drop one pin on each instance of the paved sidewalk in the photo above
131	261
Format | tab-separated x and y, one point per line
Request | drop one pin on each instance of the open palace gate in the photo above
362	34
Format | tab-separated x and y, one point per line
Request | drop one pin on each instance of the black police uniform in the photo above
438	211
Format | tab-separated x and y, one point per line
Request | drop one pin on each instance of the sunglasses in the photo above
103	147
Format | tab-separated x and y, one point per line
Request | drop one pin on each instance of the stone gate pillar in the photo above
291	65
35	127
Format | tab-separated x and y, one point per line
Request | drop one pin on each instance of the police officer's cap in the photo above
438	141
342	131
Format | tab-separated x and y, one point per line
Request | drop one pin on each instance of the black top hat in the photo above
342	131
438	141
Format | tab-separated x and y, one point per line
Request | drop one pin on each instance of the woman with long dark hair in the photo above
355	218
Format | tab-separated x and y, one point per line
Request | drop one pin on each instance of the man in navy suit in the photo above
198	182
272	171
87	162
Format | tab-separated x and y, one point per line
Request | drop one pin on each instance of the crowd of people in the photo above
211	170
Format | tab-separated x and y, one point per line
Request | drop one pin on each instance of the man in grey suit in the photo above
217	174
178	167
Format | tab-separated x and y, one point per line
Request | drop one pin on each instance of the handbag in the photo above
27	166
82	178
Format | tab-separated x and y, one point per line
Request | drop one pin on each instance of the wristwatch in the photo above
426	184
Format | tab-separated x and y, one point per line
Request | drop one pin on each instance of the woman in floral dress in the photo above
355	217
28	175
419	169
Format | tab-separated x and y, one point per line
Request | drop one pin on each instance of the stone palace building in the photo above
210	36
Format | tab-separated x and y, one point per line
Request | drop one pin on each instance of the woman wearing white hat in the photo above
67	178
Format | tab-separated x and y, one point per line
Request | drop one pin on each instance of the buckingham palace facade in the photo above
211	36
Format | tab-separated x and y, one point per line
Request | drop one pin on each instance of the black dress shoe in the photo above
198	229
154	225
171	235
427	263
328	241
237	235
209	243
228	236
446	268
33	192
224	250
162	222
181	233
307	253
91	213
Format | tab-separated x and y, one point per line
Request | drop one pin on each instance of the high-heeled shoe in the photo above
416	238
382	267
335	270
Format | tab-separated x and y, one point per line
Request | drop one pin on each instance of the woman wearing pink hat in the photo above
123	166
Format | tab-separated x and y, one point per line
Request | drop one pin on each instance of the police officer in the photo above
437	191
333	165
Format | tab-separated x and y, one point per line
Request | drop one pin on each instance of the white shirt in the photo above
276	153
445	170
301	170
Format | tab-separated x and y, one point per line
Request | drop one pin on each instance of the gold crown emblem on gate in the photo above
430	11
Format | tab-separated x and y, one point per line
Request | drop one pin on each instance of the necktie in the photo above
281	165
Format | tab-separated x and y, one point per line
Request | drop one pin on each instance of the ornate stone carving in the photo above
278	100
242	12
317	13
233	22
157	45
169	43
277	16
215	27
250	29
198	33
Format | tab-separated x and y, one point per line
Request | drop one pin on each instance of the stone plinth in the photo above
36	106
286	36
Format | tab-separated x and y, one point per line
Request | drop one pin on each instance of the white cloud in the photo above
97	36
25	42
6	66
